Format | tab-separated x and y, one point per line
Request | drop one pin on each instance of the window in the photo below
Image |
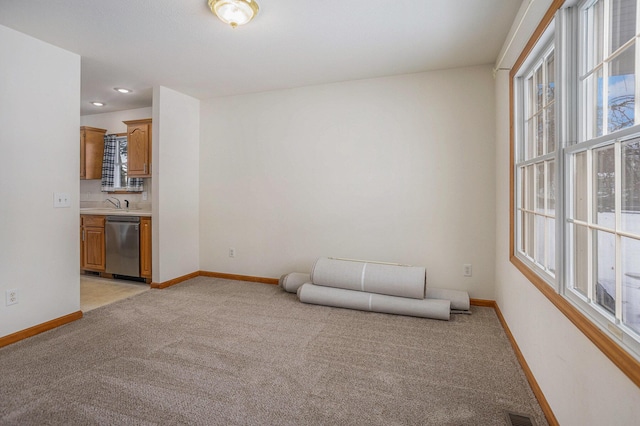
576	170
536	169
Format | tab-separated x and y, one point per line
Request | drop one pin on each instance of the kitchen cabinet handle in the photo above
83	235
145	168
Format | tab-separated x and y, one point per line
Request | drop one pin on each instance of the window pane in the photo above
539	88
592	108
539	134
540	245
623	22
604	187
530	97
551	244
540	188
551	78
550	126
621	86
580	186
551	190
528	142
631	187
529	232
523	234
528	202
605	260
631	283
594	35
580	258
521	192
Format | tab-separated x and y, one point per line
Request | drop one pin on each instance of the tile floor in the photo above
96	291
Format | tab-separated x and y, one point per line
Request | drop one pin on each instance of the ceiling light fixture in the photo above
234	12
98	104
122	90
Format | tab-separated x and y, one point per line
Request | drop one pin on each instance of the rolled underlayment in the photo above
381	278
363	301
292	282
459	299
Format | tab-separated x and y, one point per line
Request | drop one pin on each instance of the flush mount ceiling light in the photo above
98	104
234	12
122	90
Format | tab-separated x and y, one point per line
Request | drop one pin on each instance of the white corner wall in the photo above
39	141
583	387
397	169
175	205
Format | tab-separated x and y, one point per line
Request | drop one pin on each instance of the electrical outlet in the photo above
12	296
144	196
232	252
467	269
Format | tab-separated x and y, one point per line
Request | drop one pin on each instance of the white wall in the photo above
39	141
396	169
581	385
176	140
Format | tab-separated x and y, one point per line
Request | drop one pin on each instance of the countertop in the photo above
102	211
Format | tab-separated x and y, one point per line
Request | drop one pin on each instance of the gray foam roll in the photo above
363	301
392	280
291	282
459	299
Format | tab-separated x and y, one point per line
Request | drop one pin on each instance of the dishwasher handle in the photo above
127	219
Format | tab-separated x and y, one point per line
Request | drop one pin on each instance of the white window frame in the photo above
536	59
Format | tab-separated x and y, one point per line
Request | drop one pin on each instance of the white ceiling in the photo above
180	44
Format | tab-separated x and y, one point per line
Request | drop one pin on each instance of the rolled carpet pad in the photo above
291	282
363	301
459	299
380	278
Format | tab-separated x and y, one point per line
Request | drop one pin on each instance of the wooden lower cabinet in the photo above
145	247
92	248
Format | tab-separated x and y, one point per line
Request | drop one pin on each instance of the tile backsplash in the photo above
92	196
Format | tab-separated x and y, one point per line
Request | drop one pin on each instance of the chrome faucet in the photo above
116	204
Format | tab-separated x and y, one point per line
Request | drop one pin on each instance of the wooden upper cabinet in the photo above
139	148
91	152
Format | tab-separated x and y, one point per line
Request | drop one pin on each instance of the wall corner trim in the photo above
40	328
174	281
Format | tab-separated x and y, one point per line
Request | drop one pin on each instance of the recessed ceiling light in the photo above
99	104
122	90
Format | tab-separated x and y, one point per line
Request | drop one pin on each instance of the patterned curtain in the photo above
112	161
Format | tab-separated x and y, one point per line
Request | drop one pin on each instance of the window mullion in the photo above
618	226
546	215
590	249
606	58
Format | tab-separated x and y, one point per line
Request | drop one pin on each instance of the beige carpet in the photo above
211	351
96	291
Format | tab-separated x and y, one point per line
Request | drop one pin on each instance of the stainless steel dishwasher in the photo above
122	240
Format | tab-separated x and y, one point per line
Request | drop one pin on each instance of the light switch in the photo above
61	199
